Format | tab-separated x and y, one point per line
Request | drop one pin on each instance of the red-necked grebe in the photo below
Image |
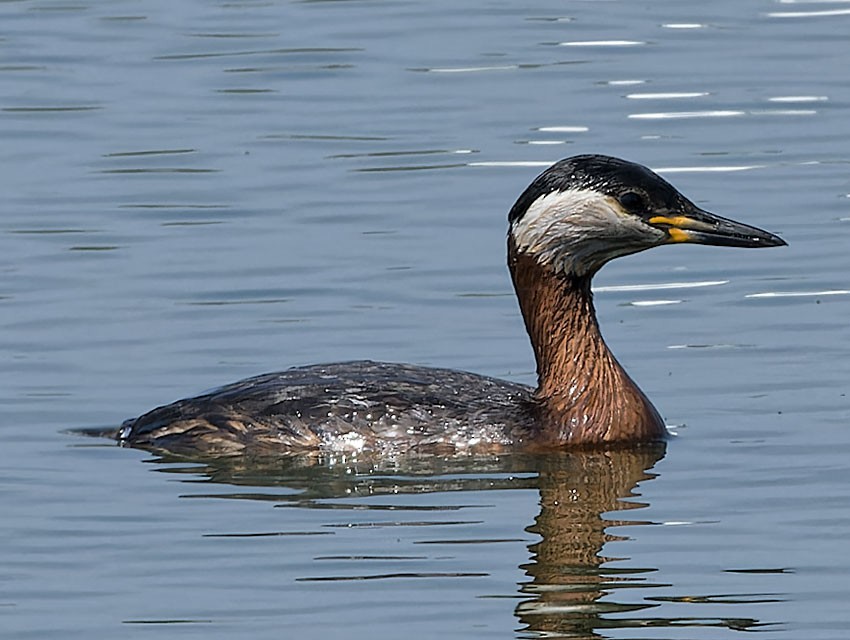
572	219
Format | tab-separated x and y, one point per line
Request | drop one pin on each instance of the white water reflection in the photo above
783	112
680	115
672	95
710	169
511	163
654	303
798	98
562	129
504	67
824	13
659	286
684	115
602	43
799	294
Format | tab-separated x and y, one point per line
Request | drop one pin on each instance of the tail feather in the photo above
96	432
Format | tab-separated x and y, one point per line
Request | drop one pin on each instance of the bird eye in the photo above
632	201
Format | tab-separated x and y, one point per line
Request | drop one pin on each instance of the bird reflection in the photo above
567	578
572	588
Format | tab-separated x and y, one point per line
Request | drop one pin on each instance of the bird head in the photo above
586	210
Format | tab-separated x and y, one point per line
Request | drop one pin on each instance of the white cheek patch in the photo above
579	230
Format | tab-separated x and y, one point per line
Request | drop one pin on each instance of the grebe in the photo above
573	218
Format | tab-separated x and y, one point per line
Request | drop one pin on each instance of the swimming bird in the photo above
573	218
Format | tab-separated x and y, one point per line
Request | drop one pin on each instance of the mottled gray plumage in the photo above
343	407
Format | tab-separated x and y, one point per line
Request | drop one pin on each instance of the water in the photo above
193	193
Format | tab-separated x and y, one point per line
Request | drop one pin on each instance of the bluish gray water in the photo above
196	192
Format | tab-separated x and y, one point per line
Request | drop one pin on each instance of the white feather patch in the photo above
578	230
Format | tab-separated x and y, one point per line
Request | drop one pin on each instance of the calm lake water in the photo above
196	192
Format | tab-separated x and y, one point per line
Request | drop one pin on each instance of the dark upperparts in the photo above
606	174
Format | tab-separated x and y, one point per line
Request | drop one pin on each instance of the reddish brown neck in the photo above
585	395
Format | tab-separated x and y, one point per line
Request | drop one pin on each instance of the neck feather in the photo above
584	395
